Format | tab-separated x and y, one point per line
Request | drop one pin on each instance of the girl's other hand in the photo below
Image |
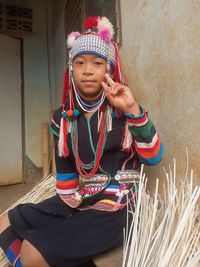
120	96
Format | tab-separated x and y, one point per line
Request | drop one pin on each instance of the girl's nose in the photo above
88	69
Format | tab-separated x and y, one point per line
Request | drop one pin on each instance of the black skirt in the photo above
64	236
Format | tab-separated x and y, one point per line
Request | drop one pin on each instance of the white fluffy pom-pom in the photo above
105	26
71	38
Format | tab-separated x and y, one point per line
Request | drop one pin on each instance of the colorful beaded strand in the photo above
99	151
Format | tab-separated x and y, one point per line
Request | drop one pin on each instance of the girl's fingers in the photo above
112	84
113	90
109	79
105	86
117	89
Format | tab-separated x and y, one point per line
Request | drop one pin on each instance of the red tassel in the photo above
91	22
65	146
116	70
120	75
65	87
127	139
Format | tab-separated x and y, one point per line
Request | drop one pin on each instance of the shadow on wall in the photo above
32	172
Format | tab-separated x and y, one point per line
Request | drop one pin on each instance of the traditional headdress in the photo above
97	39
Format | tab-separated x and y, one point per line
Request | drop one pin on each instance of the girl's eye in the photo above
98	63
79	62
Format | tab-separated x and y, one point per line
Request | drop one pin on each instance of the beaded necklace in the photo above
85	106
94	165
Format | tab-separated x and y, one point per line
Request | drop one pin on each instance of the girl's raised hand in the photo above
120	96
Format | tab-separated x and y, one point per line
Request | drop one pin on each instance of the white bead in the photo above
117	177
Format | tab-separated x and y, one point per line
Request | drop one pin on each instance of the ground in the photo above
9	194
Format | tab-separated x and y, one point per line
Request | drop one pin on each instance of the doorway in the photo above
11	133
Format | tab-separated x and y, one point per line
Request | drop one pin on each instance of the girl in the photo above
101	137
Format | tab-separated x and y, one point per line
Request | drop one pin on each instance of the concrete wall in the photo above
160	49
39	82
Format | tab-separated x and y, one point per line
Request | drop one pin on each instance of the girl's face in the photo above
88	72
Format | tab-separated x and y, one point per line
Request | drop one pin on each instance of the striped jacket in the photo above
148	149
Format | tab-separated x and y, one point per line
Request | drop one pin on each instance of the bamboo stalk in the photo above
168	234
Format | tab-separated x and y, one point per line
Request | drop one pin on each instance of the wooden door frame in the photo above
22	108
22	105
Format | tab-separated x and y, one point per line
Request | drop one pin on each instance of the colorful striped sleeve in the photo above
147	141
66	183
67	178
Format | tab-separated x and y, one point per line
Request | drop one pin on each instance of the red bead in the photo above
70	113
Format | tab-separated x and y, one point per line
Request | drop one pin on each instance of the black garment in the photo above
89	263
68	237
113	157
